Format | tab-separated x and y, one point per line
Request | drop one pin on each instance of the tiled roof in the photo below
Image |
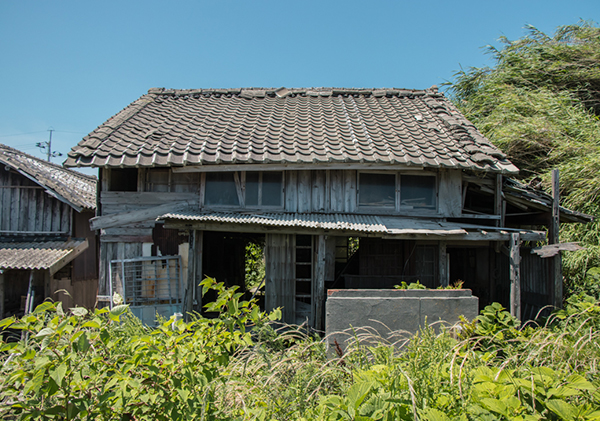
37	255
289	126
77	189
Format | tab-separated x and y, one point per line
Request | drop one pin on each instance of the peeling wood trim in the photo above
72	255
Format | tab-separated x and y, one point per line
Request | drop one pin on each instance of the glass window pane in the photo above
220	190
377	189
271	188
417	191
251	189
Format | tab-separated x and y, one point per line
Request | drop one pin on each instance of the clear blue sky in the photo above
70	65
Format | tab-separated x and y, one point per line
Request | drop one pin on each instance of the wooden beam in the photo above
307	166
551	250
124	218
74	253
515	275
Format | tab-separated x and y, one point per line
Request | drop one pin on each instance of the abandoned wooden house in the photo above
46	244
346	188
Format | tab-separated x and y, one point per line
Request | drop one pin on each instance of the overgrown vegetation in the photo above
540	104
75	365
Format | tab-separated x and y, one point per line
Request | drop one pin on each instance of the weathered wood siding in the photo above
26	207
280	284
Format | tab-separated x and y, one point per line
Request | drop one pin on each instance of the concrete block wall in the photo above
393	314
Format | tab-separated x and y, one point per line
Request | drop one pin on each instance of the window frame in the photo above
398	207
240	183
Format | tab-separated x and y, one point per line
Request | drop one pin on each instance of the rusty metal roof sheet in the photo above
346	222
39	255
289	126
79	190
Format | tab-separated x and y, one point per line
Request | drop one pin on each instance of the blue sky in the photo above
70	65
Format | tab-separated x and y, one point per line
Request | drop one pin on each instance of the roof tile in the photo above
289	125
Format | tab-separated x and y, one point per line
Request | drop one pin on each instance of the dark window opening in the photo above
417	192
377	189
123	179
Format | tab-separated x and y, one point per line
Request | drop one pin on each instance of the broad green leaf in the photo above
117	311
79	311
358	392
45	306
4	323
58	373
91	323
564	410
432	414
45	332
35	384
494	405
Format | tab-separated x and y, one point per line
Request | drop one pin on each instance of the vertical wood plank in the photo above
337	191
1	294
450	199
31	209
304	191
280	275
318	191
349	191
443	264
6	200
515	275
324	271
498	200
194	275
291	191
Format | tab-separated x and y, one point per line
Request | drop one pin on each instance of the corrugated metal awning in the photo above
47	255
330	221
391	226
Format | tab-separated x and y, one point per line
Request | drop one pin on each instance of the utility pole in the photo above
47	147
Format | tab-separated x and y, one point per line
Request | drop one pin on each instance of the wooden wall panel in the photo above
280	284
26	207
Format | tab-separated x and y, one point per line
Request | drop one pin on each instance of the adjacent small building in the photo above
46	244
345	188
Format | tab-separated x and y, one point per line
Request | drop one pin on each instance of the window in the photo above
417	192
221	189
264	189
250	189
411	191
377	189
123	179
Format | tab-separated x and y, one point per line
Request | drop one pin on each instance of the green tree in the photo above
540	103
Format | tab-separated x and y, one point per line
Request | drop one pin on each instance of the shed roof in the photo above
44	255
413	128
341	223
78	190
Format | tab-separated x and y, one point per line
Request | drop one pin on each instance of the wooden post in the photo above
318	285
193	290
556	279
498	200
1	294
443	264
515	275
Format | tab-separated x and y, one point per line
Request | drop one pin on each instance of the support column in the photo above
1	294
556	279
443	264
192	299
318	285
515	275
